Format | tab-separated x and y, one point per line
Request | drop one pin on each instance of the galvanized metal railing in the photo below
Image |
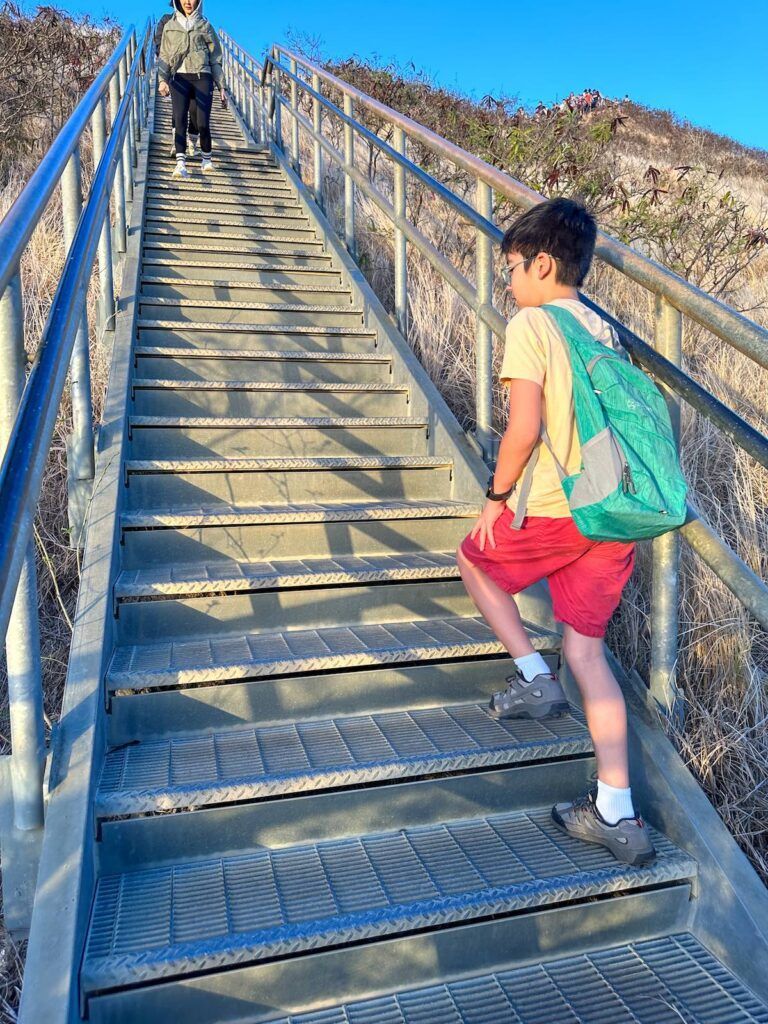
261	97
29	406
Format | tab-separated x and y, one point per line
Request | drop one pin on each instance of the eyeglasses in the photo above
507	271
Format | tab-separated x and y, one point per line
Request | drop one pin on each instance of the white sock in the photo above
532	665
614	804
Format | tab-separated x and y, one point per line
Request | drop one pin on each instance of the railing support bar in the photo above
22	641
483	334
665	588
80	454
401	244
106	321
349	185
120	235
295	155
317	149
127	161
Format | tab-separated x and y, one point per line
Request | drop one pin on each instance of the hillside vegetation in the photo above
693	200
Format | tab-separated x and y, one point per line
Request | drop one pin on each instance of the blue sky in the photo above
704	61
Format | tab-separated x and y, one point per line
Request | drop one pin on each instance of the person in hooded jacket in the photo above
193	135
189	66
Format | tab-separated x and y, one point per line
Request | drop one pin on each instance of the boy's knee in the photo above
582	651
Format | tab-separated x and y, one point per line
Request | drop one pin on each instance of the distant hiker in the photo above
193	135
188	67
530	535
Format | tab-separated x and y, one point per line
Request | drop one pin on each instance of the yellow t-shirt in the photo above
534	350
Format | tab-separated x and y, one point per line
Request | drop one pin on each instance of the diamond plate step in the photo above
279	241
192	270
204	533
303	340
183	918
155	397
266	293
241	481
214	363
248	576
219	220
254	763
310	250
249	655
221	436
669	980
235	311
204	201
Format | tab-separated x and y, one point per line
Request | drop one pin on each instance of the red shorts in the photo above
586	577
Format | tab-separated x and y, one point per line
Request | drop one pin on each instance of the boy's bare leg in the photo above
604	705
497	607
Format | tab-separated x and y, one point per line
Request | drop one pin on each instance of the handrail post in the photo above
106	320
278	119
294	118
126	161
401	250
120	236
80	454
483	335
666	549
317	149
349	185
22	639
252	119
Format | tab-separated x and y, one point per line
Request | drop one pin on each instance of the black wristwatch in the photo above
490	493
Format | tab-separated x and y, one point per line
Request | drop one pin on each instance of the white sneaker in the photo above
193	145
180	170
206	165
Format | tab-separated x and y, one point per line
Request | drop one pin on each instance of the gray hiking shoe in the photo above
628	840
543	697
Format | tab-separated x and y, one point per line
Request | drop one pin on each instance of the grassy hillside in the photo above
697	202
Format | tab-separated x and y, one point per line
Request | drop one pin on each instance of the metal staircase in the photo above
277	794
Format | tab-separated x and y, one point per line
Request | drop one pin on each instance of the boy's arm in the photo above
521	435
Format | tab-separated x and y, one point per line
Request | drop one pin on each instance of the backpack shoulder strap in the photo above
526	480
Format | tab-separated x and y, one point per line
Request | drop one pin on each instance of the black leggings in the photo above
185	88
193	130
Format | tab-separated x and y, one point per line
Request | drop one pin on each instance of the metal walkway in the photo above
293	805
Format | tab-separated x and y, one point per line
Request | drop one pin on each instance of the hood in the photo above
197	13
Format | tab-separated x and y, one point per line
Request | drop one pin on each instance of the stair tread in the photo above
275	307
196	282
245	250
152	923
246	236
261	385
204	577
266	761
244	328
223	656
268	464
269	422
263	268
663	980
299	512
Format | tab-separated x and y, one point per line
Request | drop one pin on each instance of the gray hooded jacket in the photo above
192	44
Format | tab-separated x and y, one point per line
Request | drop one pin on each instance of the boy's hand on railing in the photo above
482	531
164	89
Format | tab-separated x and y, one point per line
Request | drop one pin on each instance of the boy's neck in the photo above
558	291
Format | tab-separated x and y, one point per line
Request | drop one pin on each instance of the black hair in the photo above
561	227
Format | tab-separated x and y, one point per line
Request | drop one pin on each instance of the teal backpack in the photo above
630	485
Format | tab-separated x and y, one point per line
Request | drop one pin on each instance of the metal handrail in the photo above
30	412
674	295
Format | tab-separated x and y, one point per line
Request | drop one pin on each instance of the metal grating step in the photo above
218	658
150	384
202	915
668	980
249	764
218	577
260	268
271	307
327	330
239	285
315	512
